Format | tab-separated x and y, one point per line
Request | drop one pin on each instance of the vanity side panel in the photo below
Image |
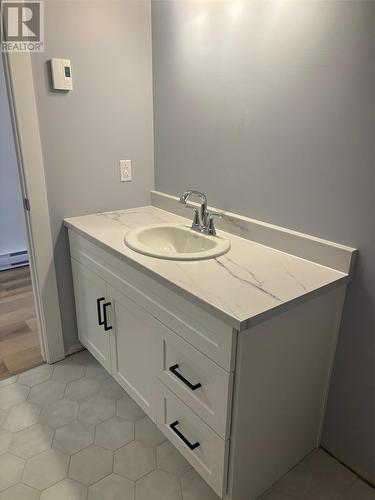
282	377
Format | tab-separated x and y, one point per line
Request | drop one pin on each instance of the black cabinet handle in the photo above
182	437
191	386
98	302
105	323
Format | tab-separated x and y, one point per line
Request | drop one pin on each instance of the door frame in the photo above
25	124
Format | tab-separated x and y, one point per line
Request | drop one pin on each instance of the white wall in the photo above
268	107
12	219
107	117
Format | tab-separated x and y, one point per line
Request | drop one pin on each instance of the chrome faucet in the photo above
203	221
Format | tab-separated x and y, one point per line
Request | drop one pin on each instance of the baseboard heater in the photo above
14	259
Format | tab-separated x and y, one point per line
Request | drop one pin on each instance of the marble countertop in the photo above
241	287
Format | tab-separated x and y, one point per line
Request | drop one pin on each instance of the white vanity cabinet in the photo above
133	350
90	293
121	335
243	407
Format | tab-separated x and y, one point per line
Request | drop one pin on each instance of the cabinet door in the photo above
133	350
90	297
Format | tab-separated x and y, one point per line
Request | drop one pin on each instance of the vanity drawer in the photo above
199	382
197	442
205	331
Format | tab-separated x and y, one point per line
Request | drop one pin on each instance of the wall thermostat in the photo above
61	74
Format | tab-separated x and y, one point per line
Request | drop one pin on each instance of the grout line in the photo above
23	468
113	461
68	469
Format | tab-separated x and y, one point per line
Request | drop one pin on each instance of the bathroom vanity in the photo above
230	356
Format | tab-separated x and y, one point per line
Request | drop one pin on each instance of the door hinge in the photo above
26	204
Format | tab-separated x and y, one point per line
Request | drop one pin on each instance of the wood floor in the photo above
19	343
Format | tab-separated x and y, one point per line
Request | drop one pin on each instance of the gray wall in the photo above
12	218
107	117
268	108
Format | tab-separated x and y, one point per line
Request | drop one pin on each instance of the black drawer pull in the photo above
191	386
106	326
98	301
182	437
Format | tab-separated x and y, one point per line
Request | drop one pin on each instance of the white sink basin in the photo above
175	242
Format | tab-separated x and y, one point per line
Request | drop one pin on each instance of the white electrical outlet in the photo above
125	170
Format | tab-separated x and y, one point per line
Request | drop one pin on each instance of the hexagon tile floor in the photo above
69	432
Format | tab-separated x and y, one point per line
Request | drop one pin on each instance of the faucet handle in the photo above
195	223
219	215
211	216
211	222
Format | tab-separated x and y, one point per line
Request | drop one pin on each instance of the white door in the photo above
92	312
133	350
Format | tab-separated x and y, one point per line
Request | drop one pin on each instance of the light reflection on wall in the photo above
221	48
210	31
